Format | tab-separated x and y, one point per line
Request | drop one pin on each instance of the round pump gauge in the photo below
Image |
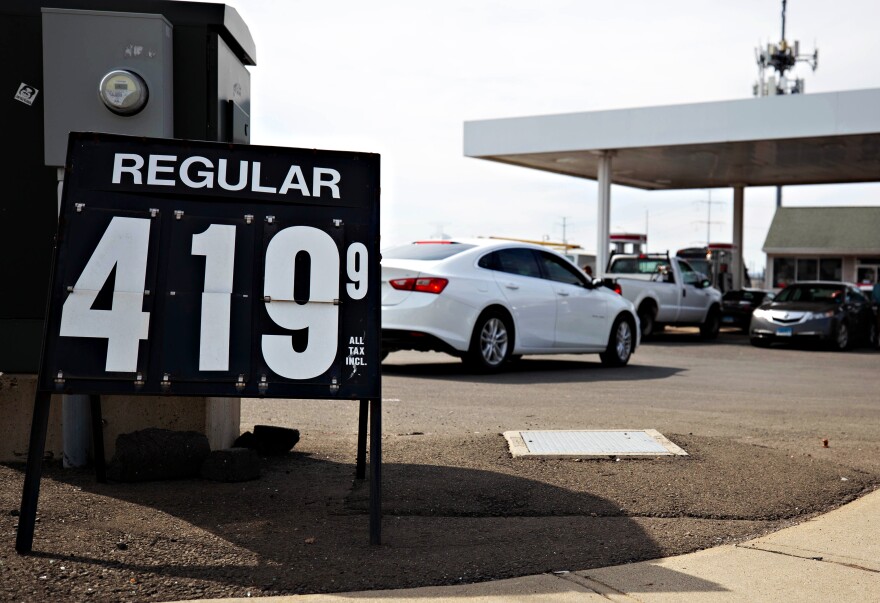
123	92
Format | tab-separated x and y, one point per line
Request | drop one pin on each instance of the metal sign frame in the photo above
204	269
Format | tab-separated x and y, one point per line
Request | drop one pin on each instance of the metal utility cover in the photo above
591	443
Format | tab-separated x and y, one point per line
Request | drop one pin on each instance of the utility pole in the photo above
708	219
564	239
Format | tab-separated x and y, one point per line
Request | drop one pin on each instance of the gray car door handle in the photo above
563	293
512	286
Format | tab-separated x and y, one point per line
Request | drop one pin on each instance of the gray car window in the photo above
811	293
856	296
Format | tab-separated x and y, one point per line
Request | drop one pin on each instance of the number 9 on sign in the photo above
320	316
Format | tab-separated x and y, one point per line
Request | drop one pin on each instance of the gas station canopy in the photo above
776	140
770	141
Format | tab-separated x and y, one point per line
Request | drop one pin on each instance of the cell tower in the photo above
780	58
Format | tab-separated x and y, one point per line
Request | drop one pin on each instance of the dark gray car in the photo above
833	312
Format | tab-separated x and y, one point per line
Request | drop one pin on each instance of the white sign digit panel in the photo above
124	248
217	244
320	316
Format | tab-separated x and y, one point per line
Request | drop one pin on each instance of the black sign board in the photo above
204	269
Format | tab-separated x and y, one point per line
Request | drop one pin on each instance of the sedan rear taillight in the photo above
423	284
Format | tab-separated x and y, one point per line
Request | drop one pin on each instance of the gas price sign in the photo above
193	268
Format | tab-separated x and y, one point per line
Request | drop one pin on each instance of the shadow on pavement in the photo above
303	528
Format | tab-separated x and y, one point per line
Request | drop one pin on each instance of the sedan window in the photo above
736	296
558	270
517	261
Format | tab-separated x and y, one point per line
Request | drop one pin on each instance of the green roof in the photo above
824	230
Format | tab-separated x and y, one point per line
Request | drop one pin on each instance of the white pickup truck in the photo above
666	291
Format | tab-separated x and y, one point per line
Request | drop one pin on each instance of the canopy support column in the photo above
737	263
604	221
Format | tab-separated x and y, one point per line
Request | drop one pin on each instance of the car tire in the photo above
760	342
646	320
491	342
841	338
620	343
710	328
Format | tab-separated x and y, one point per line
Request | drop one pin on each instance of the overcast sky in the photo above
400	78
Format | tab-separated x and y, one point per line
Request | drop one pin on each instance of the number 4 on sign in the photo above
124	245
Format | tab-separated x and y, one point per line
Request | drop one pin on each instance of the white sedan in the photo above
487	301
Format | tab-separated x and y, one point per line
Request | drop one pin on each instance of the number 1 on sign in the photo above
217	244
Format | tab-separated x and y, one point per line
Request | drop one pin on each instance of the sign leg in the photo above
31	492
98	439
360	471
376	472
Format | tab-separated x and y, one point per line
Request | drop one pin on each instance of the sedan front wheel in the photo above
620	344
841	337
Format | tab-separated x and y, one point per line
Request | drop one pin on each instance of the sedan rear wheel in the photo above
620	344
491	343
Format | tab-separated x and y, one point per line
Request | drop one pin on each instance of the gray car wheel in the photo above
841	337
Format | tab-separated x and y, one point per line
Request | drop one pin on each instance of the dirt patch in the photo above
456	510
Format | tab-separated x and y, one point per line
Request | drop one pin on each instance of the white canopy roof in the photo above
779	140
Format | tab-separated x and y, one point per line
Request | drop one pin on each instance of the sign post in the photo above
203	269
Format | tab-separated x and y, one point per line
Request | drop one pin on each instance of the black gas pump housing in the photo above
207	94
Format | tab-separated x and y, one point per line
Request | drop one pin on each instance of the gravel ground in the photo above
456	509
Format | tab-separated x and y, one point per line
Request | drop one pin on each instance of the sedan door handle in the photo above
512	286
563	293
